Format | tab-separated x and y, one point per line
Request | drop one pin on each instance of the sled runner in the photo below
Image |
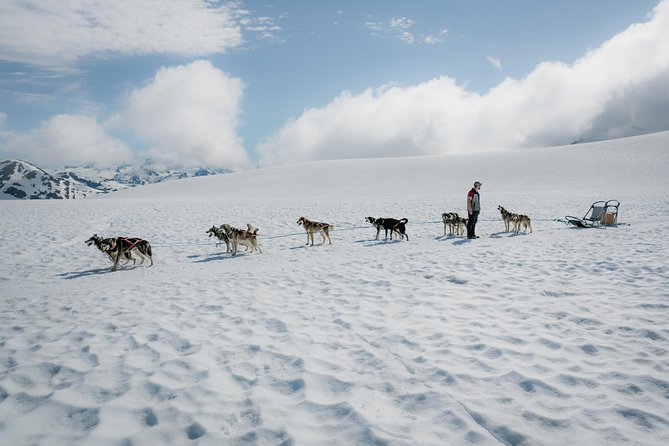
600	213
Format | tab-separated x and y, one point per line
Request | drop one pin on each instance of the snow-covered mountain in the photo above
24	180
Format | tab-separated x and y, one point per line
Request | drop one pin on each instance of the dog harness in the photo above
132	244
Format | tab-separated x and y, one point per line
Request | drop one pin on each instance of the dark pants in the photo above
471	224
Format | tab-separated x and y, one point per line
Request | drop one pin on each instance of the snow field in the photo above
556	337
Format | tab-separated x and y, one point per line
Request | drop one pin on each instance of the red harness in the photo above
132	244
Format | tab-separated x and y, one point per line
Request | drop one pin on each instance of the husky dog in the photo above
522	220
390	225
455	224
138	246
106	245
315	226
248	237
517	220
220	234
507	216
122	246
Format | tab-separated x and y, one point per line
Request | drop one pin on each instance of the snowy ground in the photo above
556	337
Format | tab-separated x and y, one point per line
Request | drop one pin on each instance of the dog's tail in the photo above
404	220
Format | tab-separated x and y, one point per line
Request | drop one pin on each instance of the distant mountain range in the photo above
23	180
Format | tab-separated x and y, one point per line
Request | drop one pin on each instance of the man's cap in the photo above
477	183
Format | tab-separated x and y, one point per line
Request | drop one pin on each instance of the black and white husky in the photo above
115	248
220	234
106	245
390	225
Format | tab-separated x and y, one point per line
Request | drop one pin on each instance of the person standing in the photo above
473	209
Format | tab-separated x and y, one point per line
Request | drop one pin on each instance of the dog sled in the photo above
603	213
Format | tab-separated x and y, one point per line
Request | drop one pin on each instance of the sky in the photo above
240	84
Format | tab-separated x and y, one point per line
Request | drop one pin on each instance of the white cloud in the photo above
396	27
67	139
556	103
264	28
495	62
187	115
436	38
58	33
401	28
401	23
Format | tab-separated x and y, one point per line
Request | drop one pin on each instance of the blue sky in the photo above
244	83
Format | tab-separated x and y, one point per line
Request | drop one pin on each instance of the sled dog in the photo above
455	224
106	245
315	226
390	225
507	216
522	220
115	248
219	233
248	237
517	220
141	248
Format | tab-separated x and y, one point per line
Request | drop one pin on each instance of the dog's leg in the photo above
148	253
403	233
119	250
139	254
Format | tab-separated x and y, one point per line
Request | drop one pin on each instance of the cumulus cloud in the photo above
67	139
187	115
556	103
57	34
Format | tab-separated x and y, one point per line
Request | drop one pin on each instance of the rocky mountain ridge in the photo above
23	180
